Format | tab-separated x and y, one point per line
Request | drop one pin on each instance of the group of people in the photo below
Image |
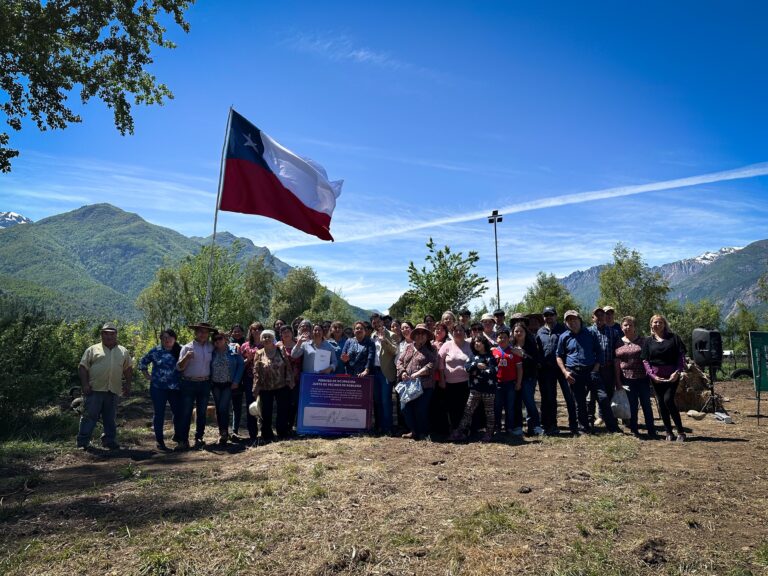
459	366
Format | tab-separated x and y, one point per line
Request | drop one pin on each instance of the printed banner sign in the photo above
758	343
332	404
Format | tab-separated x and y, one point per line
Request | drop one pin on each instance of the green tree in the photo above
327	305
259	281
293	295
684	318
547	291
176	296
762	288
631	287
101	48
403	306
226	306
446	282
160	302
738	326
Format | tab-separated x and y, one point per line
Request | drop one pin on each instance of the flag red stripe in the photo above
250	189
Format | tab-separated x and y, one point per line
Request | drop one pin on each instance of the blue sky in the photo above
580	121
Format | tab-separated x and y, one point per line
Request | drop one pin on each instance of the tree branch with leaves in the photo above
446	282
103	48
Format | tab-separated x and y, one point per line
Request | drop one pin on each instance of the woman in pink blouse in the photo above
631	373
438	410
452	358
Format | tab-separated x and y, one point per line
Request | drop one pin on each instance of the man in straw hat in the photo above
105	372
195	367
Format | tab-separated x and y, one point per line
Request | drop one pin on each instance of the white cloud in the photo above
342	48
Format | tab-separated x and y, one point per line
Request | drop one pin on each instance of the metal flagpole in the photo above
494	218
207	304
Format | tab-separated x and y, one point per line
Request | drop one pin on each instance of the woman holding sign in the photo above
317	354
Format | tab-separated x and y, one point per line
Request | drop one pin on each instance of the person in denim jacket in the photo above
227	366
164	382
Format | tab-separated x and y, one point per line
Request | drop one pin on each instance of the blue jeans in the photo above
529	389
416	414
237	408
161	397
549	378
95	405
222	399
504	400
382	401
245	389
585	382
640	389
193	395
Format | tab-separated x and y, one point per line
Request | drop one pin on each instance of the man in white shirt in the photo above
195	367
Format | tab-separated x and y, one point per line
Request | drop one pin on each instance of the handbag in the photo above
620	404
409	390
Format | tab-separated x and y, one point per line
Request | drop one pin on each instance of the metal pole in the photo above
494	218
207	303
496	244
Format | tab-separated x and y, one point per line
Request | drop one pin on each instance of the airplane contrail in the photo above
750	171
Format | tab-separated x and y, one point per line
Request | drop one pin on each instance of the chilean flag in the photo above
262	177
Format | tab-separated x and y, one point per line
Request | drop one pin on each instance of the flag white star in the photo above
251	143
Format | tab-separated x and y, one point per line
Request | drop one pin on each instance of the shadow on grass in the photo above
104	510
714	439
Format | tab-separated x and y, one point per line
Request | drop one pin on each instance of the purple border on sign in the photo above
333	404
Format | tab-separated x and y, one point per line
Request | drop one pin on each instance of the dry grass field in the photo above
602	505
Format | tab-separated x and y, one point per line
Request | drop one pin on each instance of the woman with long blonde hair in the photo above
663	357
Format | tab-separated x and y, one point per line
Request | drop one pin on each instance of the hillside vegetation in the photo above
93	262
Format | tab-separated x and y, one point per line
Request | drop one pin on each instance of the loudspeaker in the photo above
707	347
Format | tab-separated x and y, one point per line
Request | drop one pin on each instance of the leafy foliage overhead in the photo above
103	48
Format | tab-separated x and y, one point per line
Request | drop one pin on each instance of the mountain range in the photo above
725	277
94	261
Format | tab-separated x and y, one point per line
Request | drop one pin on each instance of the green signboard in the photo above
758	344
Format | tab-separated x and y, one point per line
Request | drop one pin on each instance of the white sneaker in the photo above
539	431
517	431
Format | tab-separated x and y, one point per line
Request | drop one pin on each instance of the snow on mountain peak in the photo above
8	219
709	257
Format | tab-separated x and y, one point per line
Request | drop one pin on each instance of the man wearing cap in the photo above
550	376
105	372
608	337
578	356
610	321
498	316
465	321
489	323
195	367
